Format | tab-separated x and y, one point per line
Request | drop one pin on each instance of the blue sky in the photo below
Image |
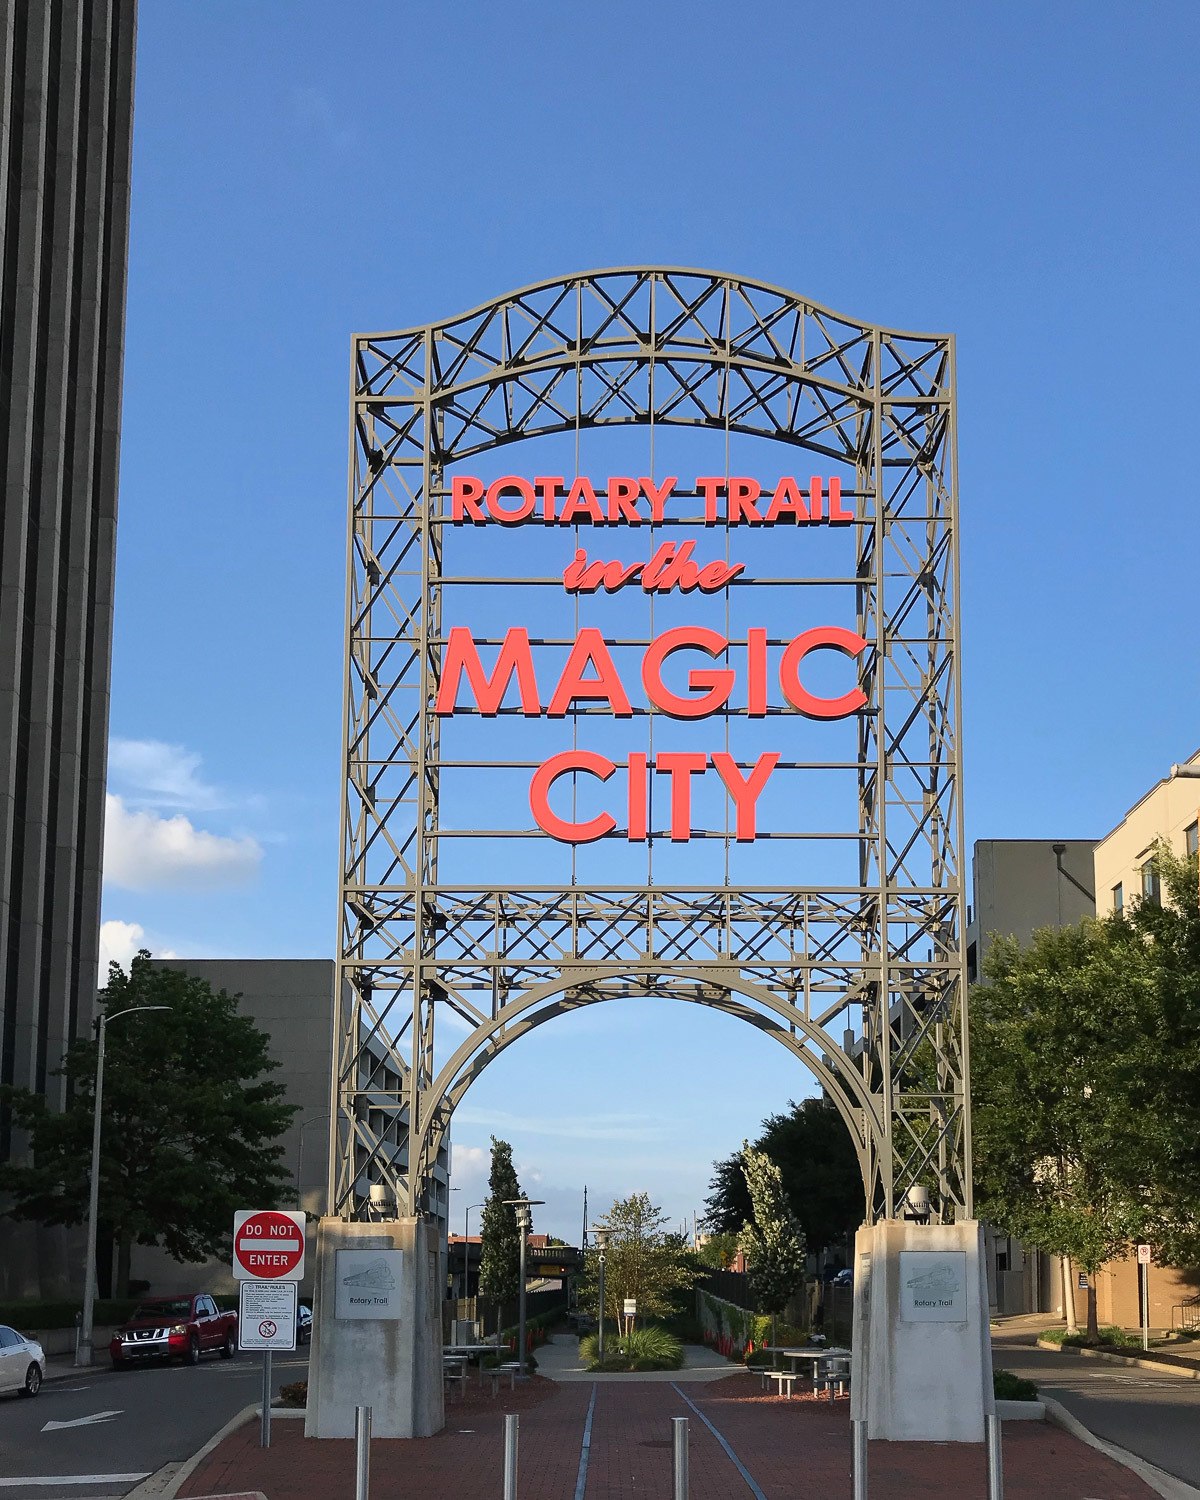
1023	176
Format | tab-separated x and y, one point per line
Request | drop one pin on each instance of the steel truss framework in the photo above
863	983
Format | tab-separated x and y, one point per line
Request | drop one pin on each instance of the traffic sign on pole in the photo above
267	1315
1143	1255
268	1245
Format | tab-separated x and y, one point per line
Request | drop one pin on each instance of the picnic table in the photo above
816	1355
465	1352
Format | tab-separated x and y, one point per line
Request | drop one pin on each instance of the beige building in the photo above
1124	858
1125	871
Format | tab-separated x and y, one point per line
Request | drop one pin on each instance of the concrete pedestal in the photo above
377	1337
922	1367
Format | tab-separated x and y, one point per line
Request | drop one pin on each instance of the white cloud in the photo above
119	942
470	1161
144	852
151	773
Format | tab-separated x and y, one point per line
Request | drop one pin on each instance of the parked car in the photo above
844	1277
22	1362
303	1324
174	1328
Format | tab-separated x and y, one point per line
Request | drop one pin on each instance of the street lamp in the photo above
524	1220
304	1124
601	1233
83	1353
467	1247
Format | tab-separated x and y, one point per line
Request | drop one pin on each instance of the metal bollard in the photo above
858	1436
511	1424
362	1452
995	1459
679	1434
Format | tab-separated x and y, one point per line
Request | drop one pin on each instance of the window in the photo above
1118	895
1191	838
1151	885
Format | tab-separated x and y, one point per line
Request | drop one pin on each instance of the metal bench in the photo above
835	1373
782	1378
454	1372
512	1369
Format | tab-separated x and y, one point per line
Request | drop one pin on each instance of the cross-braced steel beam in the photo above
862	978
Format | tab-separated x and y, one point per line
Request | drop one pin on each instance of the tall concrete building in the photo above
66	113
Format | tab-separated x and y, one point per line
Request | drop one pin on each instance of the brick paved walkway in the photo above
792	1450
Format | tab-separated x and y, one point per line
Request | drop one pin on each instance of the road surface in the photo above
118	1428
1155	1415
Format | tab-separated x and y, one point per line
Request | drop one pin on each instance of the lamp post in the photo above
524	1220
467	1248
601	1233
304	1124
83	1353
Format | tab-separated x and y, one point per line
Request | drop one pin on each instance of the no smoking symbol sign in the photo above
267	1329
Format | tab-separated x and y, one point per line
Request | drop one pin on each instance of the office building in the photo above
66	114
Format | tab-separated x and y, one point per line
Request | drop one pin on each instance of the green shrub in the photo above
1116	1337
295	1394
648	1348
1010	1387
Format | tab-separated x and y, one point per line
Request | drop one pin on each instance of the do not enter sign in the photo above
268	1245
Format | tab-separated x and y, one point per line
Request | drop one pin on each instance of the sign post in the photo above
1143	1257
268	1261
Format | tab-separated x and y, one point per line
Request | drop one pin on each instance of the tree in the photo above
1160	1160
1056	1039
191	1123
773	1242
819	1169
718	1250
500	1258
642	1260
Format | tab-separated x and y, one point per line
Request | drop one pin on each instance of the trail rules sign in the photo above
268	1245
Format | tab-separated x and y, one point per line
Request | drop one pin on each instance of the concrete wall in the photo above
66	76
1166	811
1017	887
291	999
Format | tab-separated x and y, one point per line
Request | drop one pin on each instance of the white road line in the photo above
32	1479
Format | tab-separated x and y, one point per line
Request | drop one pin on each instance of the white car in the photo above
22	1362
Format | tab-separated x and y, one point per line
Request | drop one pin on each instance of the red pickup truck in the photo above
175	1328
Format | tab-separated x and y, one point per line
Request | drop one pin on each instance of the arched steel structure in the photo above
864	981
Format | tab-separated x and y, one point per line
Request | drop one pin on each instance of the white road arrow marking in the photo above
96	1416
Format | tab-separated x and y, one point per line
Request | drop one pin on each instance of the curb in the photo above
1021	1411
1159	1480
153	1487
1140	1361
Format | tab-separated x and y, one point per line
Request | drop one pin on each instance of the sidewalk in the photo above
1182	1358
742	1444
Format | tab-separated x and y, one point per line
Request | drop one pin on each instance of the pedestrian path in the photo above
744	1445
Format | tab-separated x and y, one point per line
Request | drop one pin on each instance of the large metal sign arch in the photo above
462	927
728	993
